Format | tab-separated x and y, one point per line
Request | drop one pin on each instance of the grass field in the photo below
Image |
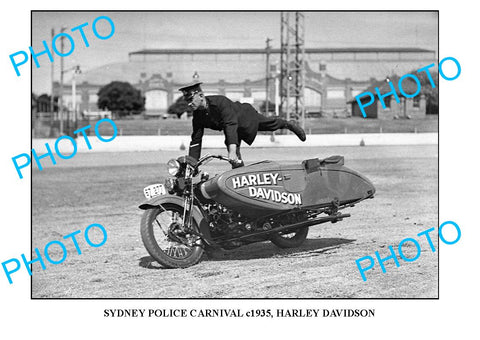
107	189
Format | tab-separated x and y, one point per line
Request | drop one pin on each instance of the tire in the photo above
290	240
154	228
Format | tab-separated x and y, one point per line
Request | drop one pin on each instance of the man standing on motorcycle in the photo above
237	121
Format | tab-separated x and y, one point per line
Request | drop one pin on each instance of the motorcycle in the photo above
264	201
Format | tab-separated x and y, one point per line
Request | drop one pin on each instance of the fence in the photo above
44	128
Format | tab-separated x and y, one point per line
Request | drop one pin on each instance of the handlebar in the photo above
208	157
223	158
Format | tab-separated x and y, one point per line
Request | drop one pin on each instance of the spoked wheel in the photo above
290	239
166	240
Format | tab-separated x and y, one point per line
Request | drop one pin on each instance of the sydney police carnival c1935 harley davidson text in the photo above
192	212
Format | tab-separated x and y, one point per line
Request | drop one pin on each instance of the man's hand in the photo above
232	153
237	164
233	157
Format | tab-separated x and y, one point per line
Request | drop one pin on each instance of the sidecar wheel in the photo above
290	239
155	227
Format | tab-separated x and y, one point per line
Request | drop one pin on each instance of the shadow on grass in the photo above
264	250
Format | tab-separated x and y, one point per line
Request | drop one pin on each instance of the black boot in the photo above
296	129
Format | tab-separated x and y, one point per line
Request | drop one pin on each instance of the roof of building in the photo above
409	86
235	70
276	50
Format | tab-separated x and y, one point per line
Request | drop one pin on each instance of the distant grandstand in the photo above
333	77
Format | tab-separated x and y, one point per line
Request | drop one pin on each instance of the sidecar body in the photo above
268	187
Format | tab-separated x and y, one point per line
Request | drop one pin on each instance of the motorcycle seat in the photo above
338	160
314	164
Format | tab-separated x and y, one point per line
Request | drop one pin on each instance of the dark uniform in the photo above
239	122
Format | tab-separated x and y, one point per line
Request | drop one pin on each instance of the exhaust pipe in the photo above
302	224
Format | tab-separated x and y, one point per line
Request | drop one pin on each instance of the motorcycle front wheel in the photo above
164	238
290	239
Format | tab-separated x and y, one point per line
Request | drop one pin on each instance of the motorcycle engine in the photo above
227	222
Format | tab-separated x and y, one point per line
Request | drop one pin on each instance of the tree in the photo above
42	103
34	102
179	107
121	98
431	94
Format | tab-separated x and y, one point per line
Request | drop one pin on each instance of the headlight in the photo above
173	167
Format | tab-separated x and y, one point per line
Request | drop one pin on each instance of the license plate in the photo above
154	190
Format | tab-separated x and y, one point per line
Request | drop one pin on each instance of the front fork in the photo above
188	205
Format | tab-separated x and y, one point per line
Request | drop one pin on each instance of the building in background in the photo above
415	107
334	76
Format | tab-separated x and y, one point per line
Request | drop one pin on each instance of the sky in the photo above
139	30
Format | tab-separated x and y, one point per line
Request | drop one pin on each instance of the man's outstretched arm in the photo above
195	148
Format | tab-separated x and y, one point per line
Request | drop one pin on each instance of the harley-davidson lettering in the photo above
255	179
275	195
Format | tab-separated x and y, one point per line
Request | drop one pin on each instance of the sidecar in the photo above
268	187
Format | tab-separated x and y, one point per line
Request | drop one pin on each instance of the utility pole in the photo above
282	62
300	66
76	71
277	92
267	77
52	101
60	99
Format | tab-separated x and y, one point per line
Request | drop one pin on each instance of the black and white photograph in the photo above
241	170
228	157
